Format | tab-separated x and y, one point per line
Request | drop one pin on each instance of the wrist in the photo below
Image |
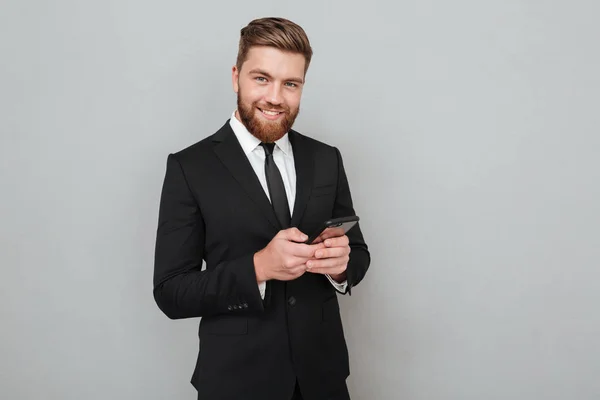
339	278
258	267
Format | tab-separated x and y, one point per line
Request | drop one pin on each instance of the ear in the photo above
235	75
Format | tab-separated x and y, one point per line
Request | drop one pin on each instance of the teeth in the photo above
270	112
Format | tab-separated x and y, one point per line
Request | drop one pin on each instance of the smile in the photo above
268	112
271	115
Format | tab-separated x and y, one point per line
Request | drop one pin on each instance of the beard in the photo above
264	130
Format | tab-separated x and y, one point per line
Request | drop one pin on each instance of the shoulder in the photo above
201	149
316	147
310	142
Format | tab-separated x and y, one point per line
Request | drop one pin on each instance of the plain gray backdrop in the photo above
469	130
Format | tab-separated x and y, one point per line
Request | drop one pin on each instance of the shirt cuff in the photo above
340	287
262	289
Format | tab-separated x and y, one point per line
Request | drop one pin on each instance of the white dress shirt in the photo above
283	156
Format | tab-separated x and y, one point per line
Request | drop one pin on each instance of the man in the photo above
243	200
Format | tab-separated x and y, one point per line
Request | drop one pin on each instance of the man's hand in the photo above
285	256
331	260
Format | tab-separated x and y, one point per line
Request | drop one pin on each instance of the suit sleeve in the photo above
181	288
360	258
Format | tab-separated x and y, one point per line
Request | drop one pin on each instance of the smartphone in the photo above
332	228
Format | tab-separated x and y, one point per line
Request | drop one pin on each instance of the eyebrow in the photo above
265	73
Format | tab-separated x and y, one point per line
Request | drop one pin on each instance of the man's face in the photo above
269	87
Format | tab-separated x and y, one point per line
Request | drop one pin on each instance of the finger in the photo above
297	271
332	252
293	235
329	271
326	263
293	262
315	247
304	250
339	241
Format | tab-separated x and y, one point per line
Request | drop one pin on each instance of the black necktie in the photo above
276	188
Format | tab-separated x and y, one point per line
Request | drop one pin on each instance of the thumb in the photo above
294	235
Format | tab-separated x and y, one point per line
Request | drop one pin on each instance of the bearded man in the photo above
243	201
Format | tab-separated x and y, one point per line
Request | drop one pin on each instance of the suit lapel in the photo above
304	163
231	154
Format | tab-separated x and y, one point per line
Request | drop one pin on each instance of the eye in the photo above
260	79
291	84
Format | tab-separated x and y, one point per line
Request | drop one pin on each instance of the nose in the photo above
274	95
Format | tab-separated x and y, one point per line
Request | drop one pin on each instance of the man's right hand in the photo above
285	256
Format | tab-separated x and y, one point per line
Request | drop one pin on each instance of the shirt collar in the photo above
249	142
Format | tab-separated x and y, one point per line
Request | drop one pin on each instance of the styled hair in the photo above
280	33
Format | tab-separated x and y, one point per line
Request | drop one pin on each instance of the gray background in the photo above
469	130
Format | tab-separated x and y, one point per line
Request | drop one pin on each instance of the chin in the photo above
266	135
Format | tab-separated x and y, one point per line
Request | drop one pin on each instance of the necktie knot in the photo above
269	147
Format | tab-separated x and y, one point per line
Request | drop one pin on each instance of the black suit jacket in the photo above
213	208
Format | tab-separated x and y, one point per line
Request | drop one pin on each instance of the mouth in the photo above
271	114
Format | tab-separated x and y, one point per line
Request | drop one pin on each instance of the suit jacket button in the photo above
245	305
235	307
229	308
292	301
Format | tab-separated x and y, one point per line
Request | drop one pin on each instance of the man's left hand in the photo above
331	260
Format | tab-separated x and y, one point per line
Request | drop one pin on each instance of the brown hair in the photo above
274	32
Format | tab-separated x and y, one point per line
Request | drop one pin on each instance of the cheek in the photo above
293	100
249	97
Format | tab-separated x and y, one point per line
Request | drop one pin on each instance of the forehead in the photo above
274	61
